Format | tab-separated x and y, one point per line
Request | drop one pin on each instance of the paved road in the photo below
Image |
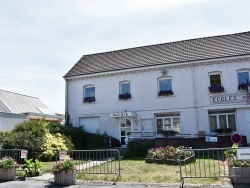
30	183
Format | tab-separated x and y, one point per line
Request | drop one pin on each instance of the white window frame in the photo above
164	78
218	120
84	91
120	86
243	70
163	118
215	73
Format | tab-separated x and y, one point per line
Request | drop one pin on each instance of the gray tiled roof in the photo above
174	52
17	103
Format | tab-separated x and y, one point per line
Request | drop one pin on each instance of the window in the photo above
215	82
243	80
89	94
167	122
165	86
222	120
125	90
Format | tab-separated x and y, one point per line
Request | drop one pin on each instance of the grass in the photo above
136	170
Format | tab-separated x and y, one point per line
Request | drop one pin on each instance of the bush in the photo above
32	168
53	143
78	135
138	148
35	137
82	139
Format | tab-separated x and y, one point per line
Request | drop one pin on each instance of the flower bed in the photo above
64	172
169	155
8	169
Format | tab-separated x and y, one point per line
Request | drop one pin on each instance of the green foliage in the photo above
53	143
77	134
232	160
66	165
32	168
169	152
35	137
83	139
138	148
24	140
8	162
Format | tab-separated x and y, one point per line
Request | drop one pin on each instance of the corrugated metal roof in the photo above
160	54
18	103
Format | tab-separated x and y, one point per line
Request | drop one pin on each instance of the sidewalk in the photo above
47	180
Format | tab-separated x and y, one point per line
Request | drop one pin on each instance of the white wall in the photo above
8	120
191	96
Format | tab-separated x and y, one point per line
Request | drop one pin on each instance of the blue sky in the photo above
40	40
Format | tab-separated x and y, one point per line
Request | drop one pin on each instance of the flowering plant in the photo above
232	160
89	99
170	152
242	86
64	166
165	92
125	96
216	89
8	162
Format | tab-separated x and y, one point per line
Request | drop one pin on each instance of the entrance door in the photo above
125	127
247	116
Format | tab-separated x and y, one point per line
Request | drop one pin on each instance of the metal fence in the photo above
17	154
103	161
211	163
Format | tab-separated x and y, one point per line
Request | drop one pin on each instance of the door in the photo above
125	127
247	118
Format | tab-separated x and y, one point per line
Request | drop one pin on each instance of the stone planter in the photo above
7	174
240	175
171	161
66	179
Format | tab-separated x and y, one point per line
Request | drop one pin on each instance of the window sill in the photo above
89	102
125	99
242	90
162	96
216	93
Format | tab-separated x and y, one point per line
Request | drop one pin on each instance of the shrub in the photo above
35	137
169	152
138	148
53	143
8	162
32	168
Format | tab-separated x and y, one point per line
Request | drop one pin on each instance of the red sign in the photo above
24	154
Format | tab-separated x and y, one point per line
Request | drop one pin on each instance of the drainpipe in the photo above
195	98
66	102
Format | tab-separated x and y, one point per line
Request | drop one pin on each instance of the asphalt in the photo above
47	180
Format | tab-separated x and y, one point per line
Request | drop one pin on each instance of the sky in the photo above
41	40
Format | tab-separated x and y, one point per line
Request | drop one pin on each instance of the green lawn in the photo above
136	170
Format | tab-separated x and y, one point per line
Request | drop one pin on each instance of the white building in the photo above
187	86
16	108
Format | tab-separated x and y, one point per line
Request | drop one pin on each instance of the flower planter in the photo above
170	161
65	178
240	175
7	174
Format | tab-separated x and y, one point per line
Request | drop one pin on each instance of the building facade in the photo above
191	86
